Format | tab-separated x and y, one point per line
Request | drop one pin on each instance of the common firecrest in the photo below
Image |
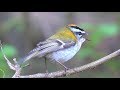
60	47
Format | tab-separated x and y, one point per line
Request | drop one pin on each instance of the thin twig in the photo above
16	67
2	72
17	73
8	61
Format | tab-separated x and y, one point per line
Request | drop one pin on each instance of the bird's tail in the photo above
27	57
22	60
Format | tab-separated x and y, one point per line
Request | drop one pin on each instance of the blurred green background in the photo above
21	31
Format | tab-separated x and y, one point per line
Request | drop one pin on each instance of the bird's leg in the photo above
46	70
63	66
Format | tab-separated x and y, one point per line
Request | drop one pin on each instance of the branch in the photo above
8	62
74	70
16	67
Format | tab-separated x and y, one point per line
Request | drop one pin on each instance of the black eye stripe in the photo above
77	28
79	33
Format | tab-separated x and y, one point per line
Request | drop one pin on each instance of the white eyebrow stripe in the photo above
75	30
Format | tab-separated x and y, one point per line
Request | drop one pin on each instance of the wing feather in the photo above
48	46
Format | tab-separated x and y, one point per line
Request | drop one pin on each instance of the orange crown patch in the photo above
72	25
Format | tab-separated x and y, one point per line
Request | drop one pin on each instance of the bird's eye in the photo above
78	33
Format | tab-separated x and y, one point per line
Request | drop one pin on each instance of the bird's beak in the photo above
86	34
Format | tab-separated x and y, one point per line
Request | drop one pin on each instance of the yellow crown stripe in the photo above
64	34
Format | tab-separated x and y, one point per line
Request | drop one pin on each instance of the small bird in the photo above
60	47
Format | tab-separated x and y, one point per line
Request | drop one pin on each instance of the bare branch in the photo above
74	70
17	73
16	67
8	62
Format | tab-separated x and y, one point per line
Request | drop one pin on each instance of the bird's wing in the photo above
52	45
49	46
